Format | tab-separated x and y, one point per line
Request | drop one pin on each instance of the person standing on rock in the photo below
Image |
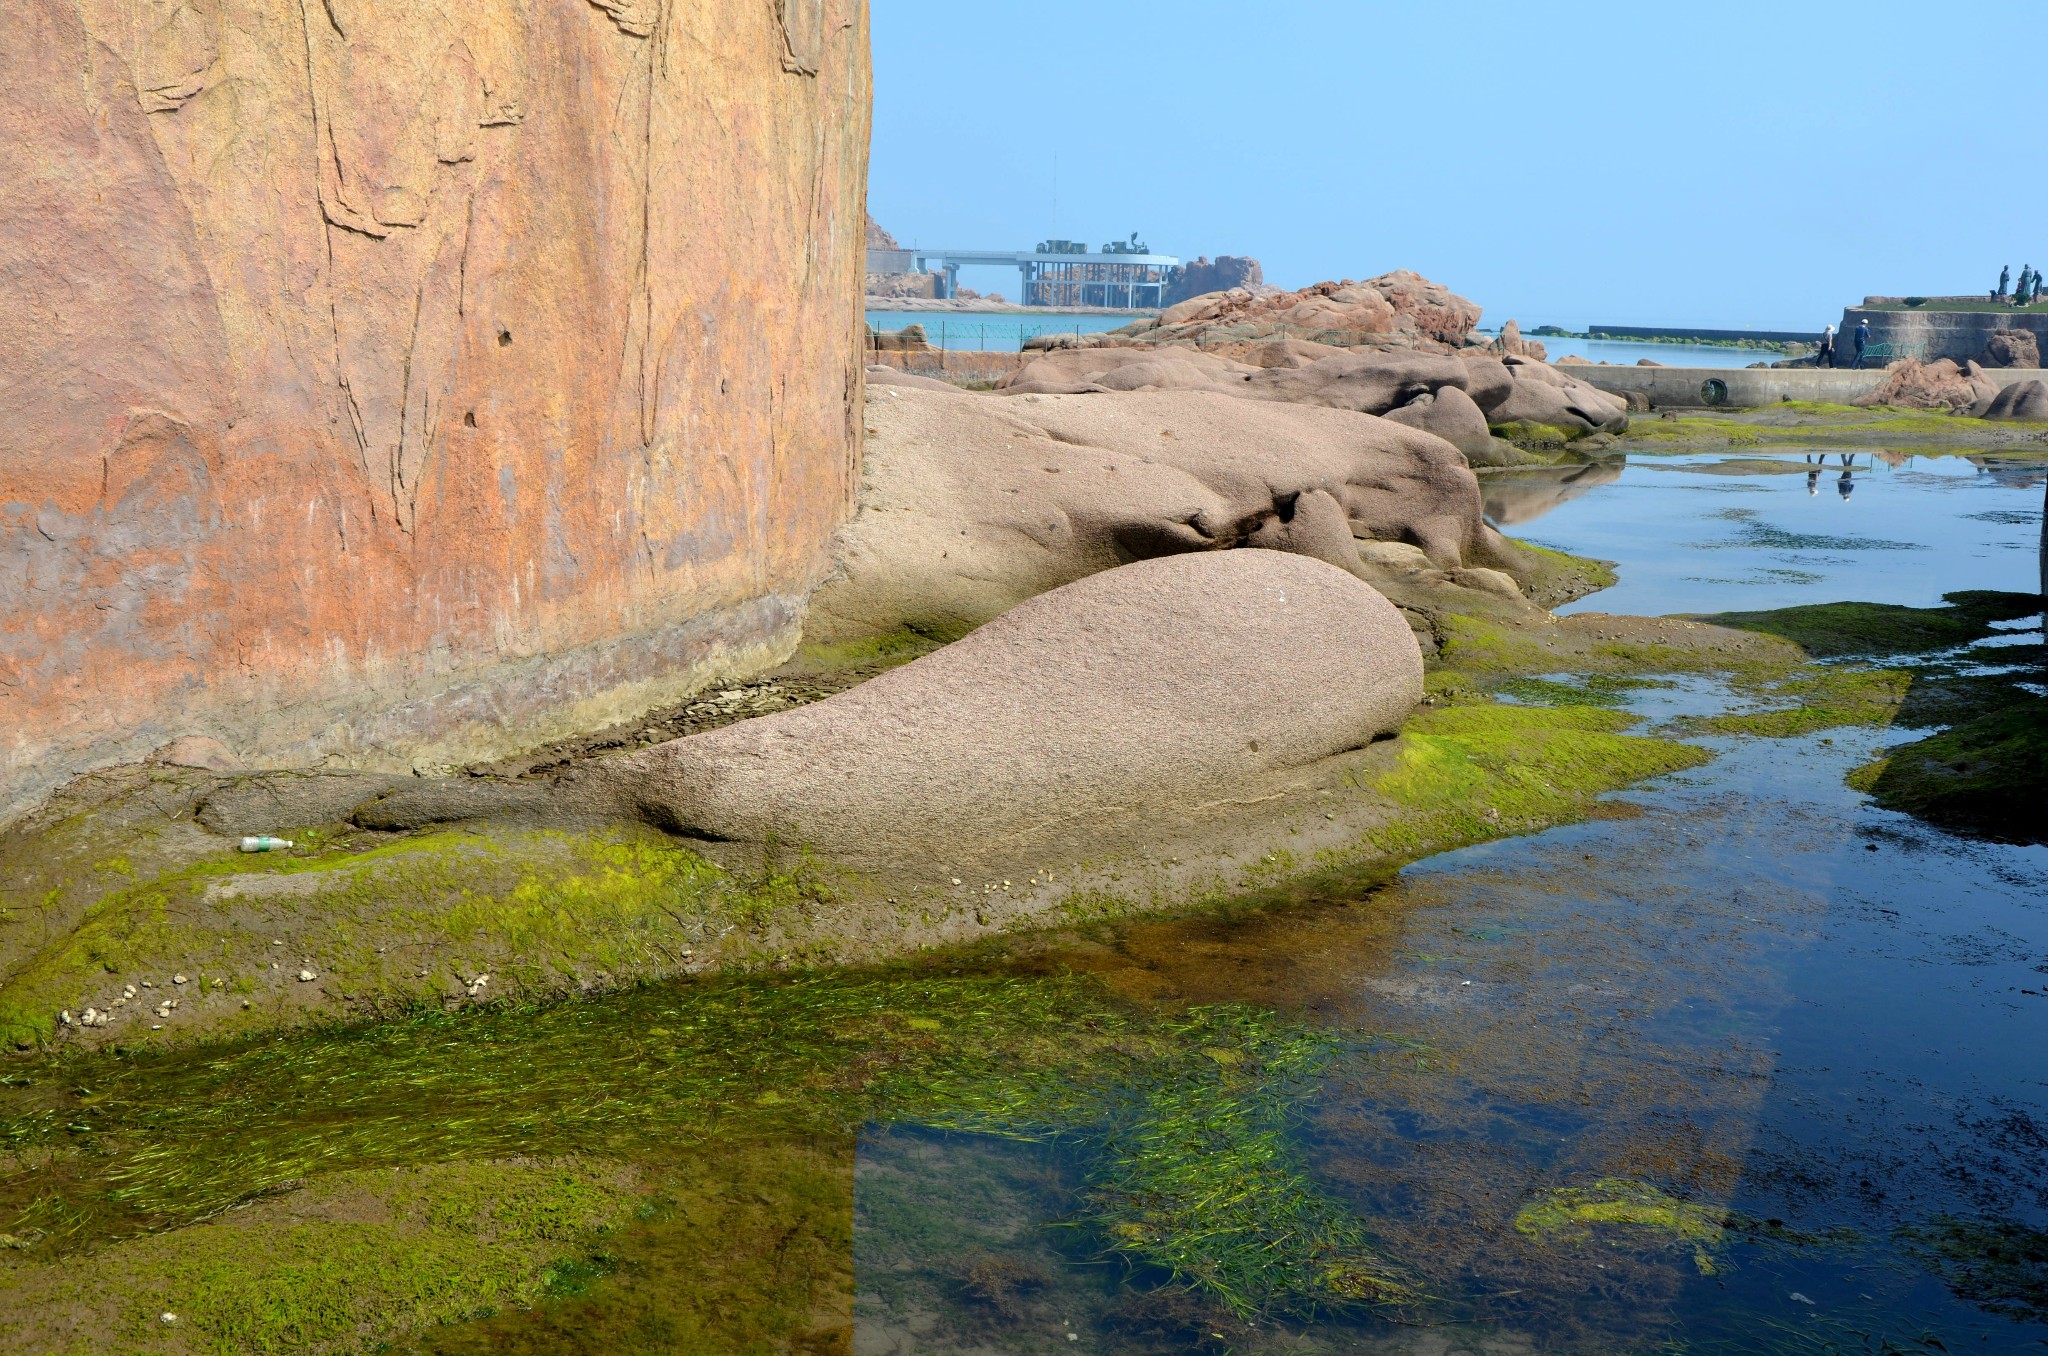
1825	357
1862	340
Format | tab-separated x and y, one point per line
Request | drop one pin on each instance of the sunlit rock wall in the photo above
392	382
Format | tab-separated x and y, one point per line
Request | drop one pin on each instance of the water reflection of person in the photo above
1813	473
1846	486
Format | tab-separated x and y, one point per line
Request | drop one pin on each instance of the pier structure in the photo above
1059	273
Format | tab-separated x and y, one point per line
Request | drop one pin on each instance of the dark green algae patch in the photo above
1817	423
1986	772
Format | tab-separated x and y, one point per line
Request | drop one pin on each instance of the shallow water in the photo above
1776	528
1005	332
1819	1024
995	331
1626	353
1756	993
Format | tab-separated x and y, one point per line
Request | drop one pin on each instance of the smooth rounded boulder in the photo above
1543	398
1173	682
1452	416
1368	383
2026	400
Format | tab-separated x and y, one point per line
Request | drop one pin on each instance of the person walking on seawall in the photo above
1826	356
1862	340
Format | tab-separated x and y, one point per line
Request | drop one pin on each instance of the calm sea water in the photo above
1007	333
1626	354
1779	528
995	332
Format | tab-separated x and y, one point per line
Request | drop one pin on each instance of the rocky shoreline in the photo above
1025	567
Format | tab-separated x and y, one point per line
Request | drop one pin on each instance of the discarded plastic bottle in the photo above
265	843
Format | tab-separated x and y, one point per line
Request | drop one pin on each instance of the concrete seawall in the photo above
1932	334
1749	387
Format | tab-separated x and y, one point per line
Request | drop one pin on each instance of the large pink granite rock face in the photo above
387	382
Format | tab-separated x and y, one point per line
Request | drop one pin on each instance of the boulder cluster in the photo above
1961	388
1115	658
1463	396
971	503
1395	310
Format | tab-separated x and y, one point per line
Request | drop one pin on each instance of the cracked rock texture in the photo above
388	384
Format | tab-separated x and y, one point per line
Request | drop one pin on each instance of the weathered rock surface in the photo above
389	383
1367	383
1509	343
1204	276
2021	400
2012	348
1165	682
969	506
1941	384
1395	310
1077	371
1489	389
1452	416
1542	398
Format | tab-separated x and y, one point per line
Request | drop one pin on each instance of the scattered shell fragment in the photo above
177	979
307	976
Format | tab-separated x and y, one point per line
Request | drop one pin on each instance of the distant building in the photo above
1202	276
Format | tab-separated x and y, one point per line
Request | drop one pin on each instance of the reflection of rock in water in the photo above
1526	495
2016	472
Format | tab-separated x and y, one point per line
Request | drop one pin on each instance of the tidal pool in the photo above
1742	1064
1747	1067
1710	532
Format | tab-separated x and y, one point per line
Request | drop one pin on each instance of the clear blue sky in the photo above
1737	164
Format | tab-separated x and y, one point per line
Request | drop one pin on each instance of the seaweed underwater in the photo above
1185	1118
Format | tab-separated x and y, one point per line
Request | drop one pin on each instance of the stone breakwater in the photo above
393	383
